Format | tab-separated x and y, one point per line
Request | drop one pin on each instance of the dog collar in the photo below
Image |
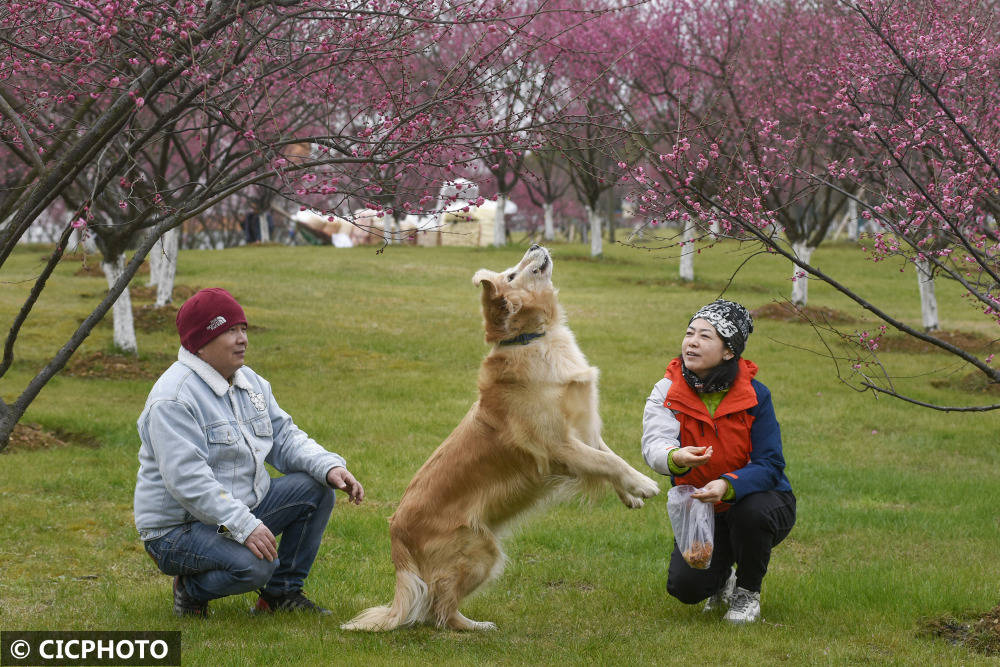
523	339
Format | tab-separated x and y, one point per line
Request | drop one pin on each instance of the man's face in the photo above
225	352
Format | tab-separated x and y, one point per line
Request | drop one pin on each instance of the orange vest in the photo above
727	432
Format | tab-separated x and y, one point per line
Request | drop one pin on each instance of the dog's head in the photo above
519	300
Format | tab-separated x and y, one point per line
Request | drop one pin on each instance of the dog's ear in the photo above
483	276
491	290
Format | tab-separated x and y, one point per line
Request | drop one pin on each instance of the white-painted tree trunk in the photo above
928	300
500	222
852	220
155	262
121	313
596	235
79	241
550	224
800	279
390	228
166	248
264	227
687	251
716	228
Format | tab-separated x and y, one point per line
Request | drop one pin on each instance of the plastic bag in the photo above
693	523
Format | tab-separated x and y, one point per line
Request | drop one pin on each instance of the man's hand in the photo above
341	478
711	492
691	457
262	543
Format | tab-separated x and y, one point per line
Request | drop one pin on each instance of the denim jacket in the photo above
204	445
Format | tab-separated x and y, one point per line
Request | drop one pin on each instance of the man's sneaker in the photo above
745	607
724	596
297	601
184	604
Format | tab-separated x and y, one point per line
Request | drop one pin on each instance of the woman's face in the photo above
702	349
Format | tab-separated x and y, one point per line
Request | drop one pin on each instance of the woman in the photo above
708	423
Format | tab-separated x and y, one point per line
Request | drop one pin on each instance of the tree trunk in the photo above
596	237
928	300
852	219
121	312
155	262
610	201
8	420
166	249
800	279
263	222
550	228
499	222
687	251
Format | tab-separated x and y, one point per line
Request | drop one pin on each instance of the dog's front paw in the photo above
631	502
635	487
642	486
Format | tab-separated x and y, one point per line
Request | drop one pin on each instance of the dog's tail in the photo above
410	605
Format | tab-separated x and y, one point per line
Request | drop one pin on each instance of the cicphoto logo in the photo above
138	647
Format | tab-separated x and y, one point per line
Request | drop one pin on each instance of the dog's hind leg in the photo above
410	603
473	558
445	608
459	622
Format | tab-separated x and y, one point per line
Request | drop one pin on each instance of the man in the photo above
206	508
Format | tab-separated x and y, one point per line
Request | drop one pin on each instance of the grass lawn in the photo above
376	357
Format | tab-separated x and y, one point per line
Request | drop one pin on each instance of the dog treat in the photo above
699	555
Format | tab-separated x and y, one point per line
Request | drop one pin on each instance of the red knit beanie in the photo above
207	315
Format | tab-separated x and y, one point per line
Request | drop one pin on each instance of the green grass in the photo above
376	356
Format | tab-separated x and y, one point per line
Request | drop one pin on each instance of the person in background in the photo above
207	510
710	424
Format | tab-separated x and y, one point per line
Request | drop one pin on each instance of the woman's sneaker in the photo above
724	596
745	607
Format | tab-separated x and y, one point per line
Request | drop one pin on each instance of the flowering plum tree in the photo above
544	183
713	66
591	135
136	116
911	91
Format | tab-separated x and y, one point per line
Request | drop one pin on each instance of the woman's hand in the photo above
711	492
691	457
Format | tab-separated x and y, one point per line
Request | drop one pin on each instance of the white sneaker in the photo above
724	596
745	607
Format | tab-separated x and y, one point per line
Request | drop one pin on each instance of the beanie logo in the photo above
216	323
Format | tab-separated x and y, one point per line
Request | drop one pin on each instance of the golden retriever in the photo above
534	429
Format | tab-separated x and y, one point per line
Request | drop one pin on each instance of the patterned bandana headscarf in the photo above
731	320
733	323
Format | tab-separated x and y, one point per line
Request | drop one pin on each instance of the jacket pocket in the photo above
221	434
262	426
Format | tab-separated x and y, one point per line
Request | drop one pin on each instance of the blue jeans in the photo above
211	565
